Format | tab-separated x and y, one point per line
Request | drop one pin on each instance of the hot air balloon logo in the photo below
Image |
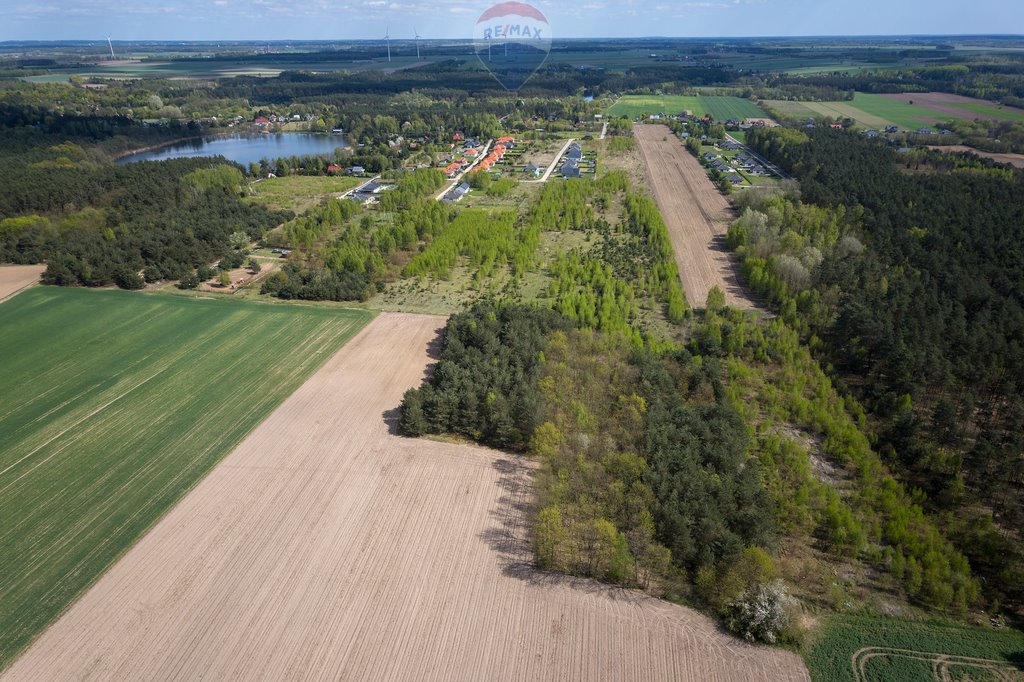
512	40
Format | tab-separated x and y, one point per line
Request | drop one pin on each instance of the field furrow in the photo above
326	547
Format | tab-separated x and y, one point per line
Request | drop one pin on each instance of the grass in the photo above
984	110
868	110
831	654
721	108
299	192
116	404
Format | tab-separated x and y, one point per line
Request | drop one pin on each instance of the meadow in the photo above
720	108
299	192
862	647
115	404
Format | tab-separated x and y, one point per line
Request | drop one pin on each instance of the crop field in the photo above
327	547
14	278
113	405
947	106
720	108
877	648
907	110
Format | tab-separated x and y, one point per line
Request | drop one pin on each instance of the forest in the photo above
909	286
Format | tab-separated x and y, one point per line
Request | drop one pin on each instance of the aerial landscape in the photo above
508	341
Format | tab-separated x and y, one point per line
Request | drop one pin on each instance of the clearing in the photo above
697	216
325	546
14	278
300	192
1012	159
113	405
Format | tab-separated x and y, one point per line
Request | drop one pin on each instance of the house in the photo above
335	168
456	193
924	131
892	129
452	169
735	179
685	136
533	169
569	169
457	137
261	121
356	170
575	152
835	126
871	133
710	156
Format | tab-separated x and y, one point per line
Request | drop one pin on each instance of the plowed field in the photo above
325	547
697	216
14	278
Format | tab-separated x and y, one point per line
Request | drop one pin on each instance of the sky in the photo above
368	19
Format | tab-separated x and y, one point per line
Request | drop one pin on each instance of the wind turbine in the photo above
111	45
387	37
417	36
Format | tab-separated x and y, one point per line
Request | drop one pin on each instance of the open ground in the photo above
325	546
1012	159
14	278
721	108
112	405
697	216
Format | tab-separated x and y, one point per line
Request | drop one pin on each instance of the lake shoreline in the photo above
201	140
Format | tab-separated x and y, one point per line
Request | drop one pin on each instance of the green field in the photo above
114	405
720	108
987	110
868	110
898	650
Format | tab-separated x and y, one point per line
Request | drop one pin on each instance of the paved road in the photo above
547	173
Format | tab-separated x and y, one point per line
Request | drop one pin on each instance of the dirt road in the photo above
697	216
14	278
325	547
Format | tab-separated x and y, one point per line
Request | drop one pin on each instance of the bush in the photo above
761	614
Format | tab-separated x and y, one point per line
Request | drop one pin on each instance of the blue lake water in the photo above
245	149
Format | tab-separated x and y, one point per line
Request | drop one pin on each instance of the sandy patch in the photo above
14	278
325	547
1012	159
697	216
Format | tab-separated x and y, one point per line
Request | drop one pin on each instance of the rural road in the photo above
767	164
696	214
547	173
604	130
327	547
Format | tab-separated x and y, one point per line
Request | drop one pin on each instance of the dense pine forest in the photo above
911	286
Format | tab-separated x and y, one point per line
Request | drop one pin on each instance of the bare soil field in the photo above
14	278
1012	159
326	547
697	216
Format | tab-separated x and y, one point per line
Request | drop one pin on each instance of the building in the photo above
456	193
356	170
575	152
532	169
570	169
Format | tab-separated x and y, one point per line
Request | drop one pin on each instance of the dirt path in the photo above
697	216
325	547
14	278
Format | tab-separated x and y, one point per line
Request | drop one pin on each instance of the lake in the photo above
245	149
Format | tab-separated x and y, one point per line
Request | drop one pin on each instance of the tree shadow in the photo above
508	536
